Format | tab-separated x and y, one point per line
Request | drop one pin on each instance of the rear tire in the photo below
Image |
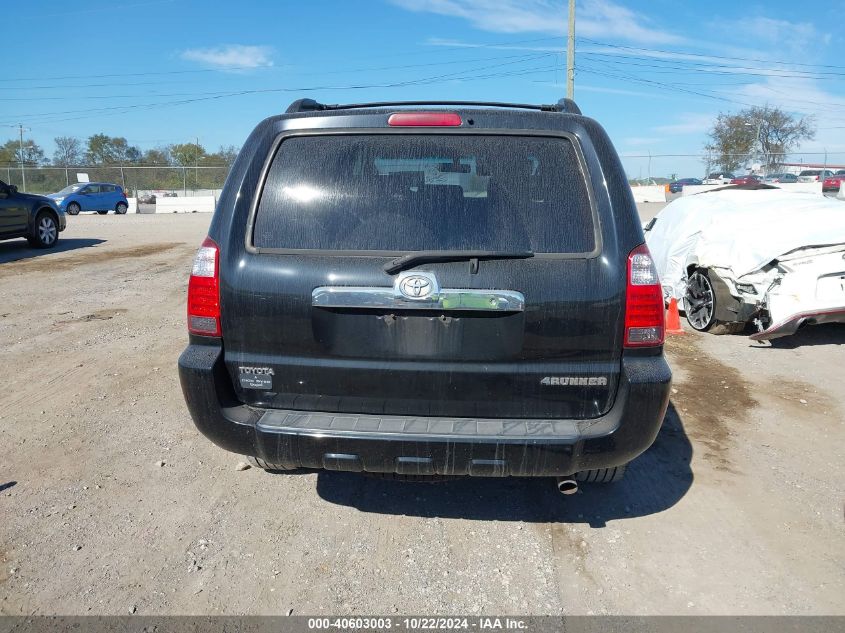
601	475
121	208
257	462
46	231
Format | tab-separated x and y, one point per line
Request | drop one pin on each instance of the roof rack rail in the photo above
309	105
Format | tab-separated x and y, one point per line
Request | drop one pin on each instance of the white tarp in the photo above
739	230
802	187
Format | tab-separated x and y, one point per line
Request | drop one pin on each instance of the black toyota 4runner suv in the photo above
424	288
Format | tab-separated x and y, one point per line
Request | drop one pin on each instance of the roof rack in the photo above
309	105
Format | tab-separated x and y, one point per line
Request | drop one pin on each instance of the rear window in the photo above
810	172
406	192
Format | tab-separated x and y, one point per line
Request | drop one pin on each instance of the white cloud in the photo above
794	36
231	56
596	18
608	20
688	123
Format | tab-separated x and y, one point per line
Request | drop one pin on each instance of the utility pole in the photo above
197	166
23	171
570	53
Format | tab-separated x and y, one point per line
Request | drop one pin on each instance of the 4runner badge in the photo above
575	381
256	378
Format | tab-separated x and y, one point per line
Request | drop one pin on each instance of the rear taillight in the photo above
204	291
644	325
424	119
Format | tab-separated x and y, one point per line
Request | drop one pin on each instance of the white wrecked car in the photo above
773	257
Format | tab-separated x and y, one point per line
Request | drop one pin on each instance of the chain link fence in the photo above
645	166
135	179
140	180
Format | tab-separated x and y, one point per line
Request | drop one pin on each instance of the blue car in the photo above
101	197
678	185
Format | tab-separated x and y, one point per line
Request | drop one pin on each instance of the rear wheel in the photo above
121	208
700	306
103	212
601	475
45	233
73	209
257	462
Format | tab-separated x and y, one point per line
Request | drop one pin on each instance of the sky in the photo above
654	74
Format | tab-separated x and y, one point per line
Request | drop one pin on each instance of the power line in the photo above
459	75
354	70
443	49
676	67
832	107
740	59
144	74
650	82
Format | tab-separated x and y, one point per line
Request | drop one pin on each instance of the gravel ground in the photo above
112	503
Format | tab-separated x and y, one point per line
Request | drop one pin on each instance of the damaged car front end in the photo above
808	289
771	258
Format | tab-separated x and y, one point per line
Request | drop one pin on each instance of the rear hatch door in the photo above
313	321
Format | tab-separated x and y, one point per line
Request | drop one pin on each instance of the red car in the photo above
834	182
750	179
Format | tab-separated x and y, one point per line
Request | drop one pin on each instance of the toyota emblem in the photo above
416	287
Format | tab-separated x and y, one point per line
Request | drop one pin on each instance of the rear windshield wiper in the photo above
422	257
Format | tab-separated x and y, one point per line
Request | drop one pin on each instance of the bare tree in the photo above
766	134
68	151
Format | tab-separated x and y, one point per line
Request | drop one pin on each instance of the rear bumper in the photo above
424	446
791	324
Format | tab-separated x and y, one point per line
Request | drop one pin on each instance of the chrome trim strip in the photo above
444	299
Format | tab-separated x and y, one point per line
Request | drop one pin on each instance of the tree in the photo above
7	154
224	157
10	153
187	154
765	133
228	154
68	151
157	156
111	150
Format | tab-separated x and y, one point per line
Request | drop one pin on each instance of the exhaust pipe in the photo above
567	485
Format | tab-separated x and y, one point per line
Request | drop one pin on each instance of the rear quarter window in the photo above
408	192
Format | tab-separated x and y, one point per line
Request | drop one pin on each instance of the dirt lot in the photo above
737	508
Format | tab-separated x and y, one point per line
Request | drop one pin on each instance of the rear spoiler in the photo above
309	105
